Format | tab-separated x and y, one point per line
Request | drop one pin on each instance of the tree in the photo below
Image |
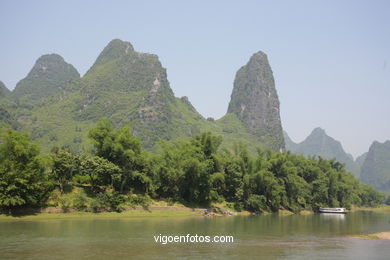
65	164
387	202
23	172
370	196
99	170
124	150
195	186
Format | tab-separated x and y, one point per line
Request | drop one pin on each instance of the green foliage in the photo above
7	119
65	165
195	172
100	171
387	202
23	177
112	200
371	197
124	150
257	203
190	171
118	201
76	198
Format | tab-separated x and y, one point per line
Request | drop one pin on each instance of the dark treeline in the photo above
195	172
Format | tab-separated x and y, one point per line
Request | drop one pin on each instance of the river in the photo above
255	237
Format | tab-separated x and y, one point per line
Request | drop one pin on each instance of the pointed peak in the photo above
115	49
255	101
48	64
259	55
49	74
119	43
50	57
377	143
318	130
258	67
259	58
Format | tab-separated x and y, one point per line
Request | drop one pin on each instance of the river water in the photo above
255	237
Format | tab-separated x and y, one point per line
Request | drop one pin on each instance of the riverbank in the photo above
381	209
134	213
375	236
160	210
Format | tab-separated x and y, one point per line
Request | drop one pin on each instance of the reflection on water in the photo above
319	236
333	217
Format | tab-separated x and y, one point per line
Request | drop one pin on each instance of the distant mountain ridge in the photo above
4	91
7	105
376	167
319	143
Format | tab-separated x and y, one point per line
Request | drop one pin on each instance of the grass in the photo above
306	212
375	236
368	237
78	203
163	209
103	215
380	209
284	212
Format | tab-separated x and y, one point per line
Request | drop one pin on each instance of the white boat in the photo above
333	210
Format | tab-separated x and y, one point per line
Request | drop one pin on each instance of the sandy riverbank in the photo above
375	236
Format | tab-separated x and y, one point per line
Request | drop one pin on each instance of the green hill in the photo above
57	107
49	75
125	86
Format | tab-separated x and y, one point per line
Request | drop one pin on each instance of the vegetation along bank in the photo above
118	173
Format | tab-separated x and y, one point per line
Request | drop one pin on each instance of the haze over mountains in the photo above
373	167
319	143
57	107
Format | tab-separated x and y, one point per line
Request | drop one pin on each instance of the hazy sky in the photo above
331	59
